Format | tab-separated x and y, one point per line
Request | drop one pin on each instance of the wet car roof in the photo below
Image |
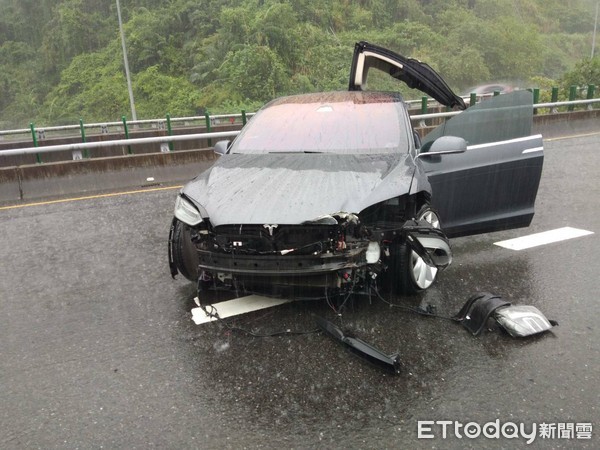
359	97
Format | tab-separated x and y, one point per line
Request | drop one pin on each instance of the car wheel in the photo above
185	255
412	273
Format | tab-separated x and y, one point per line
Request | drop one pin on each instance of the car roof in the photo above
359	97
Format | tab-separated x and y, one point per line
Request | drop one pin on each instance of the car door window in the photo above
500	118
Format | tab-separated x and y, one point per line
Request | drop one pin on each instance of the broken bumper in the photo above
353	266
325	270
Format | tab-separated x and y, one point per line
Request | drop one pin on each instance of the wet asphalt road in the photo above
97	349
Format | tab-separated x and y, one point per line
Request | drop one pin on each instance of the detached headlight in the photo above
187	212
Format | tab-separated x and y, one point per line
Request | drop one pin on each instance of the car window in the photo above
500	118
346	127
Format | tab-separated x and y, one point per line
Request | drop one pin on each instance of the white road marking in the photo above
234	307
546	237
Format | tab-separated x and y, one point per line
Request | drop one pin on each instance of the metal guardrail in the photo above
161	123
116	143
224	134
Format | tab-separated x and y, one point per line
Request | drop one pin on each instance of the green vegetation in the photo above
61	59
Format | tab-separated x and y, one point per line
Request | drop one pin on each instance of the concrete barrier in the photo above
10	185
29	182
567	123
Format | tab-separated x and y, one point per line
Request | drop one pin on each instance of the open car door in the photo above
493	185
415	74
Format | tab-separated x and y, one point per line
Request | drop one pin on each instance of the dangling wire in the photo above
338	310
214	314
420	311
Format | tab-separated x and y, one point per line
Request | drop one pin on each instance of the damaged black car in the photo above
328	194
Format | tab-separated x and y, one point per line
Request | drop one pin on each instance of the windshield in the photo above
346	123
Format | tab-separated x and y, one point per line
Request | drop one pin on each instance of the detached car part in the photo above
523	320
517	320
477	310
361	348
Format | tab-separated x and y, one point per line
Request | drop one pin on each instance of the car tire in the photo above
411	274
185	255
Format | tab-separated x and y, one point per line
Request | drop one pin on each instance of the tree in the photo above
511	49
586	71
20	96
254	72
61	59
76	27
93	86
157	94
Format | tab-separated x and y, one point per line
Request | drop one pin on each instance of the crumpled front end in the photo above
333	254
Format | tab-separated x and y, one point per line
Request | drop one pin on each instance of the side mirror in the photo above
445	145
221	147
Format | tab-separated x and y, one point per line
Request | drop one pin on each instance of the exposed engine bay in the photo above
330	255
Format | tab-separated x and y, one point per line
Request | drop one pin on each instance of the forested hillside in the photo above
61	59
